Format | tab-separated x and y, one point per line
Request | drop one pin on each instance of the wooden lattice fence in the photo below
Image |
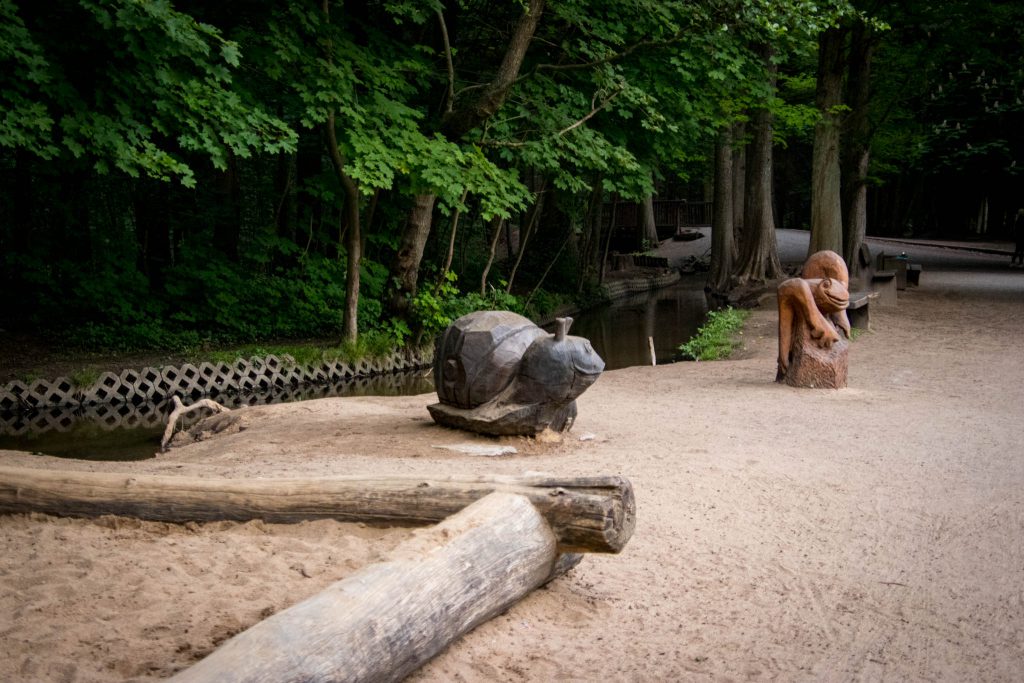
141	398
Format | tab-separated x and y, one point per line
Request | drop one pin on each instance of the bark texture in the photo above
462	118
826	201
759	254
857	148
722	223
390	618
588	514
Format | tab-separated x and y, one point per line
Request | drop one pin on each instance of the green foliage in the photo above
84	377
435	309
716	339
127	85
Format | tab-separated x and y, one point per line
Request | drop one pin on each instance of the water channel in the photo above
621	333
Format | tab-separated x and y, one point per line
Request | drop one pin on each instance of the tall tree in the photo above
722	223
857	148
460	117
826	198
758	254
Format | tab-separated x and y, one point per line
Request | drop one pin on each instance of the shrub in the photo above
716	339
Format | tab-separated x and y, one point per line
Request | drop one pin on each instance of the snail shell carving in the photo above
496	372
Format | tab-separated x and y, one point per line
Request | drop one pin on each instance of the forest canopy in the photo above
187	173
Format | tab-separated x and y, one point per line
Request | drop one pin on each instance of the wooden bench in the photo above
858	311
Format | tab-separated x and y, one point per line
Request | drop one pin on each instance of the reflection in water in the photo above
132	432
619	331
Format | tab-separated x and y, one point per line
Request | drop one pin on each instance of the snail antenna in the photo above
562	328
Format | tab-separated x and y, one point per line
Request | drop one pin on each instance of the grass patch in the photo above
85	377
716	339
369	345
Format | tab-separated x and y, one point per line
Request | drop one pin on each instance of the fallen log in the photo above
587	514
384	622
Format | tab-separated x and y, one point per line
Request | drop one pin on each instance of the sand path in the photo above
871	533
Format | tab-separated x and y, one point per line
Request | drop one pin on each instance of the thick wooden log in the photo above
384	622
587	514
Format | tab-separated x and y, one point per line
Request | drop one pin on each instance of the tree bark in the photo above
406	264
759	254
387	620
648	225
465	117
857	150
739	171
498	222
353	240
461	119
588	514
591	249
826	201
722	222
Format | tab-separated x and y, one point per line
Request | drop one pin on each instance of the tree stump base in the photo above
813	367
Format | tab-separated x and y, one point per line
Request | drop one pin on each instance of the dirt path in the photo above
869	533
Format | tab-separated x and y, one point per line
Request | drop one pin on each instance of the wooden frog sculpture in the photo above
498	373
811	308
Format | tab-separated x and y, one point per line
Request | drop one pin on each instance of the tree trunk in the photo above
456	123
648	225
406	264
739	172
826	201
499	223
857	149
528	228
588	514
467	116
759	254
591	250
353	242
722	223
390	618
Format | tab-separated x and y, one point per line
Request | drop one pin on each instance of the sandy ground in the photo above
870	533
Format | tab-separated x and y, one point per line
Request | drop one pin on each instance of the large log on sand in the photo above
586	514
384	622
388	619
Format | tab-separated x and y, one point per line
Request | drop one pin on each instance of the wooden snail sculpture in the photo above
812	313
498	373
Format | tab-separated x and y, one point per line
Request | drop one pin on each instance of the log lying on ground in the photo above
587	514
388	619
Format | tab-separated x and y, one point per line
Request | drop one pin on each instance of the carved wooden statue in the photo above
498	373
812	313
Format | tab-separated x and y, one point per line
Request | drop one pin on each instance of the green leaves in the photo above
130	85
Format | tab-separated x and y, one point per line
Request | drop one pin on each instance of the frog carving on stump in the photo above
813	326
497	373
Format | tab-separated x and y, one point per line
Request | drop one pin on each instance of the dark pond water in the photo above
618	332
133	432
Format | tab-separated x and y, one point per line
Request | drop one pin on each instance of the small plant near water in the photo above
716	339
84	377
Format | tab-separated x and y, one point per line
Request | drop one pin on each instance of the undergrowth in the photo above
717	338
